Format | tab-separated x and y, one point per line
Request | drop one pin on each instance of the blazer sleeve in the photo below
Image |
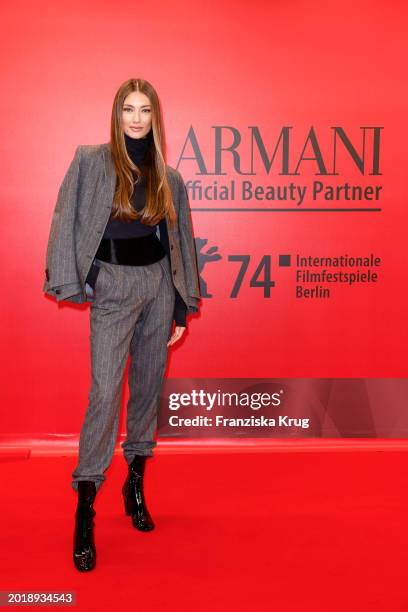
188	249
61	275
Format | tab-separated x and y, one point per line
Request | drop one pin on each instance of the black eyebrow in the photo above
144	105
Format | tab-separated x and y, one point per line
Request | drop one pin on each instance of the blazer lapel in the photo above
110	173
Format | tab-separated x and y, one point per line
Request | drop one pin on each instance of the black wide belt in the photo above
140	251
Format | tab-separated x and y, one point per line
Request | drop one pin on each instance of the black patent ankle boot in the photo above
133	495
84	553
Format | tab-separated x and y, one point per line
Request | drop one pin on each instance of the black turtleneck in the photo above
137	149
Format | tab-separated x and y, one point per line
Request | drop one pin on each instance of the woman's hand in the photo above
178	332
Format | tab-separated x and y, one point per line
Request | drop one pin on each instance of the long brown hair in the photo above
159	201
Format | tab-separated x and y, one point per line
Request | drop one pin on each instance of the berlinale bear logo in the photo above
202	259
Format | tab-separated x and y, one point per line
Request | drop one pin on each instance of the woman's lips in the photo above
136	129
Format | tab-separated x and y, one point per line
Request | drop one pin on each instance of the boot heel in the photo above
128	510
127	500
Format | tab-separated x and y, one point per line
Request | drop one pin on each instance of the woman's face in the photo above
136	115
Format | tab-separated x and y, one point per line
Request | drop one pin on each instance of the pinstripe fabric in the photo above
132	314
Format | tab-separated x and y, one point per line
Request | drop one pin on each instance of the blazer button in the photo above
58	291
171	246
174	272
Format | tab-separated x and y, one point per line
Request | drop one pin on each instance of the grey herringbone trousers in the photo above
131	313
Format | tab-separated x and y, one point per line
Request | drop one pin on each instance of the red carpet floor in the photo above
323	531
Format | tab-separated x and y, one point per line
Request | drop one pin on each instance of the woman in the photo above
121	237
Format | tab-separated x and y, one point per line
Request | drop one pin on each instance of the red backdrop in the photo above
268	65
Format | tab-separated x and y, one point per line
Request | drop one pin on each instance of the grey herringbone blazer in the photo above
81	214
